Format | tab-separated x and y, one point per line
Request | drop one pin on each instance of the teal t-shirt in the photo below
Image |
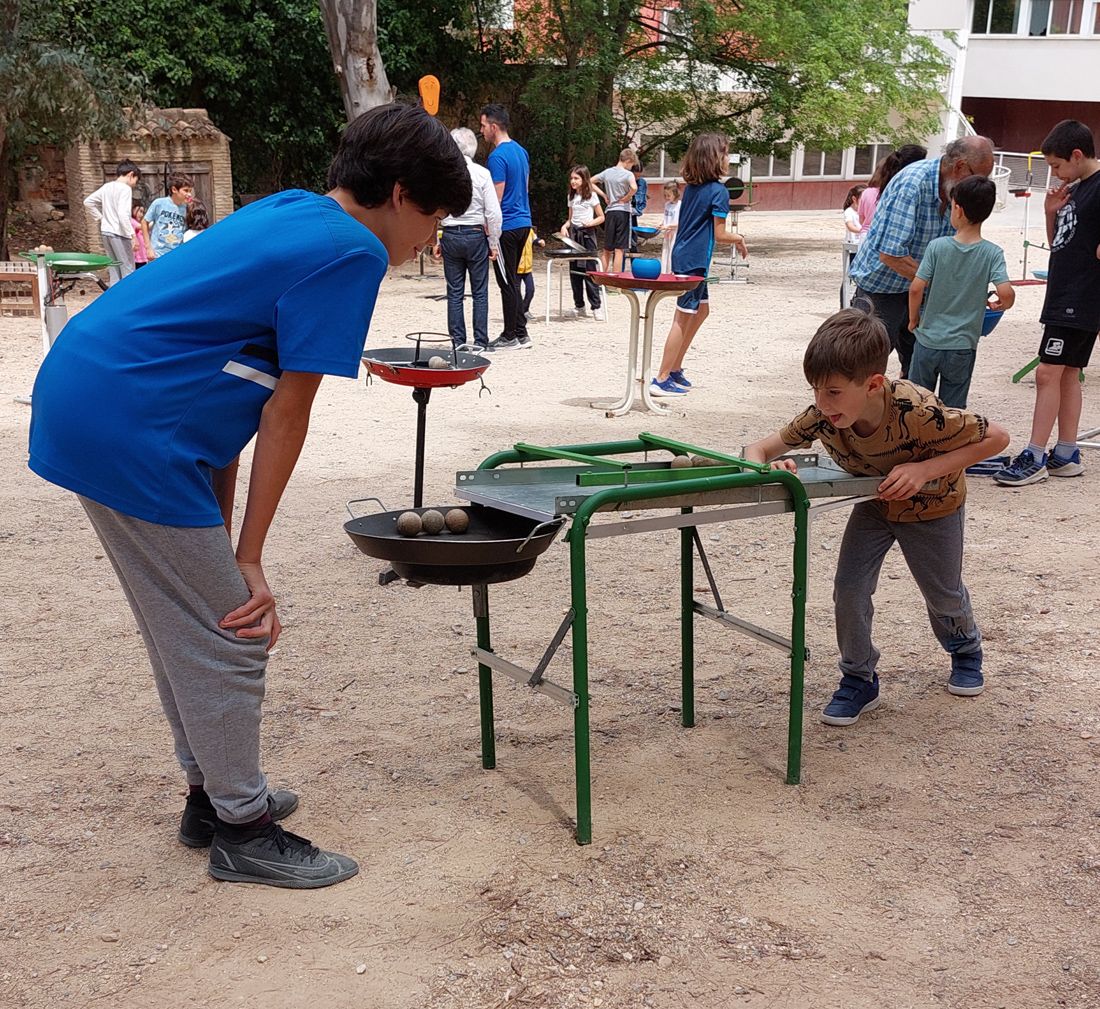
166	225
958	277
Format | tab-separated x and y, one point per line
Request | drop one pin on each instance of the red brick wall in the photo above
1018	125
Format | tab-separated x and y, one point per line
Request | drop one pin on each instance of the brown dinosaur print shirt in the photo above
917	426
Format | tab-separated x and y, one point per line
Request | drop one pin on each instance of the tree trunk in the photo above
352	30
6	172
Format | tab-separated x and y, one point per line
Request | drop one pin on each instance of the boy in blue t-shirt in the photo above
956	271
167	216
144	404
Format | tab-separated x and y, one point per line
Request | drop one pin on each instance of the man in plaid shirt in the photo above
914	209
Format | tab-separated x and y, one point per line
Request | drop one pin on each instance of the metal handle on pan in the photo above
556	521
360	500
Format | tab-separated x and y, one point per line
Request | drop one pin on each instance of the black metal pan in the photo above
497	547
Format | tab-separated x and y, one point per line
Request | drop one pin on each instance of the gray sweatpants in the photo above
933	552
180	582
121	248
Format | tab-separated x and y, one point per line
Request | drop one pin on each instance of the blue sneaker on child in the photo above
966	675
680	379
1057	466
665	388
853	697
1024	469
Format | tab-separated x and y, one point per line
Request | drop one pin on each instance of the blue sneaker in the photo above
1023	470
666	388
853	697
966	675
680	379
1057	466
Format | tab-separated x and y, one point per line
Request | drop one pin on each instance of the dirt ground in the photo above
945	851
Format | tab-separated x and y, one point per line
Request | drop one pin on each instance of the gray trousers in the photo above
180	582
121	248
933	552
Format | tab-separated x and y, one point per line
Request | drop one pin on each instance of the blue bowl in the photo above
990	322
646	232
646	269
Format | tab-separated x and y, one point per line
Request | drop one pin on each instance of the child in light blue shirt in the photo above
956	271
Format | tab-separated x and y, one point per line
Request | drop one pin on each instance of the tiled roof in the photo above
176	124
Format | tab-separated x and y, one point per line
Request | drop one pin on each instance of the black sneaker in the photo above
278	858
199	819
504	343
524	341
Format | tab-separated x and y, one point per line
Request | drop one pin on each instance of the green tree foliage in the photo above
49	92
261	68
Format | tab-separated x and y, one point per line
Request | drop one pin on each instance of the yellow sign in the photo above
429	93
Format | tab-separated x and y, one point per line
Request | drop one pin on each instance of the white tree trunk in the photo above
352	30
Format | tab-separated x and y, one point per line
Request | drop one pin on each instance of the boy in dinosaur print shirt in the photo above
871	425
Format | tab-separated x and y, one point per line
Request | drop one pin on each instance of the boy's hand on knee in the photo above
256	618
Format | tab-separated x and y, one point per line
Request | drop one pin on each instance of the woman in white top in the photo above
585	215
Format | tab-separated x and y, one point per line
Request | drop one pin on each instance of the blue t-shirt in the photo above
699	205
641	197
167	223
509	164
163	379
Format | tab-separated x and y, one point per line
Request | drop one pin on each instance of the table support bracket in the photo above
706	568
524	676
559	637
761	634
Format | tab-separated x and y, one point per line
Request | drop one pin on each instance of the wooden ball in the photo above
702	460
409	524
457	521
432	521
681	462
437	362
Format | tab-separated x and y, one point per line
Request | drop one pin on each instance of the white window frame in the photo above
800	165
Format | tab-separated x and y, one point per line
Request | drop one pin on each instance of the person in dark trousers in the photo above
510	169
913	210
143	406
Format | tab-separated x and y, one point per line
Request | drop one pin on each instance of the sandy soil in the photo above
943	852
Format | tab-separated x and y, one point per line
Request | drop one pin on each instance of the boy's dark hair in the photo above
975	197
178	180
852	344
125	167
1069	136
497	114
401	144
196	218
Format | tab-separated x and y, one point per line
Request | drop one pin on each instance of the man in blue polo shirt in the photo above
914	209
144	404
510	168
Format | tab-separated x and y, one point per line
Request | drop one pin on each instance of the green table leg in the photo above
1026	369
581	742
485	678
798	638
687	624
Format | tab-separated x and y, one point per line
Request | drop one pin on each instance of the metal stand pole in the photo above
798	636
485	678
579	594
421	396
687	624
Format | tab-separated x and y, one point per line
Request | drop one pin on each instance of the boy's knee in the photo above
1048	375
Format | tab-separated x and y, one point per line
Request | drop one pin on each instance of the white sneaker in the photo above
600	313
578	313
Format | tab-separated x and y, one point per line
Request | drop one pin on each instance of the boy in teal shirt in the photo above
957	271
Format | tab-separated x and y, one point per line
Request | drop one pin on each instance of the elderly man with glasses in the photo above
914	209
468	243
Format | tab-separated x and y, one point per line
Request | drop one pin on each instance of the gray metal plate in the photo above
541	492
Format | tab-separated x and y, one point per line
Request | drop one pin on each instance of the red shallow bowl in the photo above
401	366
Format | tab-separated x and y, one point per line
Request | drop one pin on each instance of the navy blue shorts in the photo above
690	301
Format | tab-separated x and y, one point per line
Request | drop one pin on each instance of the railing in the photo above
1025	170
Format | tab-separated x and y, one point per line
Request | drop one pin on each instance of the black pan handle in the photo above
360	500
556	521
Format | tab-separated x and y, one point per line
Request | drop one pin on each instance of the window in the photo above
816	162
675	23
1055	17
776	165
997	17
868	157
658	164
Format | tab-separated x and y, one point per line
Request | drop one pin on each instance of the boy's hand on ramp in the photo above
903	482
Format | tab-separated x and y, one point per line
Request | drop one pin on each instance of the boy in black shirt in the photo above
1071	312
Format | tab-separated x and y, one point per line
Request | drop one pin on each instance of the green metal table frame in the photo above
656	490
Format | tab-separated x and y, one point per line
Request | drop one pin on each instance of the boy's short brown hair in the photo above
177	180
627	156
852	344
